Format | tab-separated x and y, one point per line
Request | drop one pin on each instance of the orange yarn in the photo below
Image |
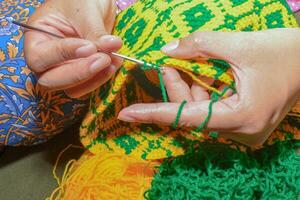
105	176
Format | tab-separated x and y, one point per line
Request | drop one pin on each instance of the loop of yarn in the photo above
216	95
175	123
214	98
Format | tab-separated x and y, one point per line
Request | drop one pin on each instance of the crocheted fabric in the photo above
145	27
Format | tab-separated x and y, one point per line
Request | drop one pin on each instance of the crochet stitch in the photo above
211	167
145	27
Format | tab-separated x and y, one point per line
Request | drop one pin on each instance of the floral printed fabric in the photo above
28	114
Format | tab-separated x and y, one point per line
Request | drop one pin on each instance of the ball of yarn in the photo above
215	171
105	176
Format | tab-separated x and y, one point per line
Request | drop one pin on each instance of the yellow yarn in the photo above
111	174
106	176
145	28
69	167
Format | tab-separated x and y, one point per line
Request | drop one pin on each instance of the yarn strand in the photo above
150	66
216	95
175	123
214	98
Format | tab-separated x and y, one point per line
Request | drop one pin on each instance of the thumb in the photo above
219	45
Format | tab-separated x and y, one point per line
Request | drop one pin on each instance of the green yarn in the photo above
213	135
216	171
150	66
175	124
162	86
214	98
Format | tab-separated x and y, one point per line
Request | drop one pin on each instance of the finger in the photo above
96	28
224	115
178	90
99	79
220	45
228	93
116	61
55	24
74	73
198	92
109	43
42	55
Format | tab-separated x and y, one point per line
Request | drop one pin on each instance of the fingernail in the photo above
163	70
170	47
110	70
85	50
109	37
96	65
113	68
126	118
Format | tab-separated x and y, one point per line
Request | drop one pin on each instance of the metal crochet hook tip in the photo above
139	62
129	58
36	29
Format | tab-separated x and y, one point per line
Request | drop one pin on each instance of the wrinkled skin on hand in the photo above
79	63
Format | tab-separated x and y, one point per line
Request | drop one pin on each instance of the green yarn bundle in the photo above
216	171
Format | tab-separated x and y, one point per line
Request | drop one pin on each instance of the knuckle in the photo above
46	83
254	126
35	62
237	109
198	42
156	113
64	53
106	59
80	77
96	33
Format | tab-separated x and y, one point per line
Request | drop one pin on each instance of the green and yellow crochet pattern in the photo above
145	28
144	161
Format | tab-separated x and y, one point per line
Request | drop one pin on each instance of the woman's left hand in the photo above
266	68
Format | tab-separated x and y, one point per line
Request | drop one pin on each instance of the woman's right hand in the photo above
79	63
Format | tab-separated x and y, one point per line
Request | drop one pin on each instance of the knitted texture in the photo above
145	27
216	171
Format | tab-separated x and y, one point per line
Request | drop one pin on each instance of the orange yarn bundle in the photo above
105	176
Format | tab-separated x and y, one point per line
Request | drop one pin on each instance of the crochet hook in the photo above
26	26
